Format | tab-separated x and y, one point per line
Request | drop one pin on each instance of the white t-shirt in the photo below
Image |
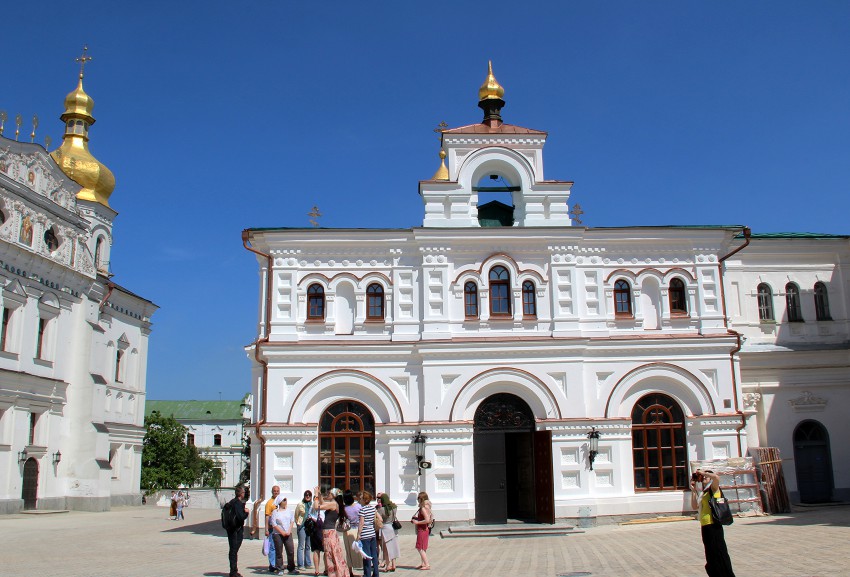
283	518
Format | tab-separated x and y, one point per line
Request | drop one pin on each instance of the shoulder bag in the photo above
396	522
720	511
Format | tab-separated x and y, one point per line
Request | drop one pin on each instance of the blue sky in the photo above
220	116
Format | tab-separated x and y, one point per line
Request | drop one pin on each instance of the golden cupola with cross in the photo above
73	156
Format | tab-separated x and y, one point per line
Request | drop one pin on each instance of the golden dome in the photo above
491	89
75	160
442	172
78	103
73	156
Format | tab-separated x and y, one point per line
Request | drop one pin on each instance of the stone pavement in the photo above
141	541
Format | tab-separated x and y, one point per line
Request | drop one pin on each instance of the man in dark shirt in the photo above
234	535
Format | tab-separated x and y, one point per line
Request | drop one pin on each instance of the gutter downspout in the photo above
747	234
257	345
111	287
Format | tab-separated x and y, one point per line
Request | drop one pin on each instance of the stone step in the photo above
507	530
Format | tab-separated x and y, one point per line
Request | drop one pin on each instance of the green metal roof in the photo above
798	235
197	410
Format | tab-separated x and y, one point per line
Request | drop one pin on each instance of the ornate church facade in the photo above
73	342
516	366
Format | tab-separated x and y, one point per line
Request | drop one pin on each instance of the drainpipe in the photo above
747	232
265	364
111	286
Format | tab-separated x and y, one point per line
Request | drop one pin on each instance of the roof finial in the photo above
490	99
83	59
491	89
442	172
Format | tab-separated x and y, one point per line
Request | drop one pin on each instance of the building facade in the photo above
73	342
216	428
512	342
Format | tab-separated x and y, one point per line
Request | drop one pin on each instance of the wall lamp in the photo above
419	447
57	456
22	456
593	437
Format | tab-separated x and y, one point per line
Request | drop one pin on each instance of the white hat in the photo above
278	500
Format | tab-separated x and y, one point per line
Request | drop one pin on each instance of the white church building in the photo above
542	370
73	342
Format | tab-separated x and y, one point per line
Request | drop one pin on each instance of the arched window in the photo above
98	253
190	439
50	239
792	303
529	300
216	440
658	444
500	292
119	354
470	300
347	448
622	299
375	302
765	297
316	302
678	302
821	302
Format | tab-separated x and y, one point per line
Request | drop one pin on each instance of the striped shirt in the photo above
367	522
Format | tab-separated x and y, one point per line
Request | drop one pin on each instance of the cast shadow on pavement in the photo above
257	570
206	528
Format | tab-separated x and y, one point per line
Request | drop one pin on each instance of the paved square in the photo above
141	541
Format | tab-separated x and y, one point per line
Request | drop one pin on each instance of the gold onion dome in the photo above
442	172
73	156
491	89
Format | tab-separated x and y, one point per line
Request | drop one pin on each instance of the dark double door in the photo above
813	463
513	464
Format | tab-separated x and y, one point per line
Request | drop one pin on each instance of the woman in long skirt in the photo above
331	504
389	541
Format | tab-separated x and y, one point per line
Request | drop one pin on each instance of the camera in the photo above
697	477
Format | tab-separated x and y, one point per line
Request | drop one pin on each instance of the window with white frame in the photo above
622	298
765	302
792	303
821	302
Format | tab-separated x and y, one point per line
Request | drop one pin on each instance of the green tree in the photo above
168	462
245	475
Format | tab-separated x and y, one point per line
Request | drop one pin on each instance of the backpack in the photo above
229	517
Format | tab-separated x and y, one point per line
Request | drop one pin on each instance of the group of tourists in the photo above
341	530
179	501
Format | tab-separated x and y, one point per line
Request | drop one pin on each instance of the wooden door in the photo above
29	491
491	504
813	463
544	486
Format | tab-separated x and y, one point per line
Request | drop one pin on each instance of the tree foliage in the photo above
245	475
168	462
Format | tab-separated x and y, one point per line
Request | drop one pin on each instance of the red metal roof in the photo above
487	129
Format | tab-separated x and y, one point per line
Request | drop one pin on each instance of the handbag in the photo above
379	522
720	511
397	525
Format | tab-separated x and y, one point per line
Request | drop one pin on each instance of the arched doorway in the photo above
29	490
513	463
812	462
347	448
659	455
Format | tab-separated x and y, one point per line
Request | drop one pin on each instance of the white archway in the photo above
338	385
517	382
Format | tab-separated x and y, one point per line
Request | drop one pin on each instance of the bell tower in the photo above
493	157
